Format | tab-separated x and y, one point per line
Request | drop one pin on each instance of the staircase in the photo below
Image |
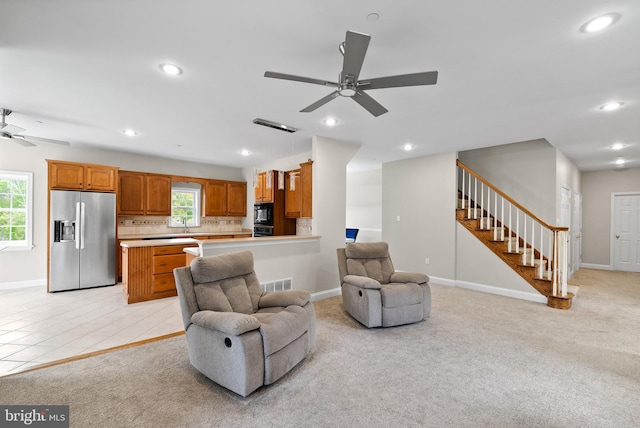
534	249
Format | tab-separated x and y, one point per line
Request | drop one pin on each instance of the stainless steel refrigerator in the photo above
83	240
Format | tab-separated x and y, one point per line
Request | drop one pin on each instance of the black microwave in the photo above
263	214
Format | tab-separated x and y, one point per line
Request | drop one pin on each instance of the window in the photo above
16	201
185	205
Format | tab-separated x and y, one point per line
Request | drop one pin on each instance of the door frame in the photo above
612	231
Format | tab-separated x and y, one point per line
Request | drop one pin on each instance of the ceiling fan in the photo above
12	132
354	49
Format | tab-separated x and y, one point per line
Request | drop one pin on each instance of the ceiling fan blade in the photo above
284	76
44	140
11	129
320	102
355	48
415	79
22	141
371	105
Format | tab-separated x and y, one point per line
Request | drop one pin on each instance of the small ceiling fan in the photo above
354	49
12	132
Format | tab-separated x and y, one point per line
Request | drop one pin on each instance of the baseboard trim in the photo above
522	295
23	284
442	281
595	266
321	295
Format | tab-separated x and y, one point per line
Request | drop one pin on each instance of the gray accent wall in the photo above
597	190
525	171
422	193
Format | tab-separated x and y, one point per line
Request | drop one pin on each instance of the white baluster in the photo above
462	195
481	205
469	201
495	218
510	229
524	252
540	271
475	198
517	230
502	220
551	260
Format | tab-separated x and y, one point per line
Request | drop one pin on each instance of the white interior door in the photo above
626	232
576	233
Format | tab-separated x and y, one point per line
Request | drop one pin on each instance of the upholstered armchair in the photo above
238	335
374	293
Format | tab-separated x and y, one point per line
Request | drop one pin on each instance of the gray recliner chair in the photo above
374	293
238	335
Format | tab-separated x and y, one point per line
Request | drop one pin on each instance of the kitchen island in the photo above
147	263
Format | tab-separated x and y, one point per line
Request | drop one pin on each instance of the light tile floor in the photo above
37	327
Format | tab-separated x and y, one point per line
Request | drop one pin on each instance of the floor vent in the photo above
277	285
274	125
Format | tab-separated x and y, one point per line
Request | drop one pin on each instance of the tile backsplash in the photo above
148	225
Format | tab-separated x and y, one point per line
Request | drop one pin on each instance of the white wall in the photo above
364	204
30	267
422	192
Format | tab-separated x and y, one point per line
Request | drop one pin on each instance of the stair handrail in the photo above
511	200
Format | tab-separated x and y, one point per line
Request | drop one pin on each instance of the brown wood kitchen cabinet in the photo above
225	198
141	193
147	272
298	198
82	176
262	192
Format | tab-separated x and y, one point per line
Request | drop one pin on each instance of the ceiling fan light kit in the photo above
354	49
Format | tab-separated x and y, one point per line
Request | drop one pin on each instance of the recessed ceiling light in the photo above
330	121
130	132
617	146
612	106
373	17
170	69
407	147
600	23
245	152
619	162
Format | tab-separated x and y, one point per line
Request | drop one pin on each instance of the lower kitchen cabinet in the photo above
147	272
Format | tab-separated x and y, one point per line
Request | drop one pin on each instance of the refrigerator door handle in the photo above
76	234
82	225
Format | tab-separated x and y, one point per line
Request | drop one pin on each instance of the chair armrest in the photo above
233	323
362	281
284	298
404	277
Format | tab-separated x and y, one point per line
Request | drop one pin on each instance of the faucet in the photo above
184	220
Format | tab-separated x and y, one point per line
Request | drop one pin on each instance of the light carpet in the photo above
480	361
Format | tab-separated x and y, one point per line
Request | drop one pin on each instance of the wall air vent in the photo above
274	125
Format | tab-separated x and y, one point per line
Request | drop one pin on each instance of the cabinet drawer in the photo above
166	264
169	249
163	282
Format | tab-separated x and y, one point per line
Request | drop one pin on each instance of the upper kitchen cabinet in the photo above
298	191
141	193
264	190
82	176
225	198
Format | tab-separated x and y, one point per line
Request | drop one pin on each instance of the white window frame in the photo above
27	243
194	188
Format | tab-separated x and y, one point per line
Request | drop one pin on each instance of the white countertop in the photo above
158	242
248	242
138	236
